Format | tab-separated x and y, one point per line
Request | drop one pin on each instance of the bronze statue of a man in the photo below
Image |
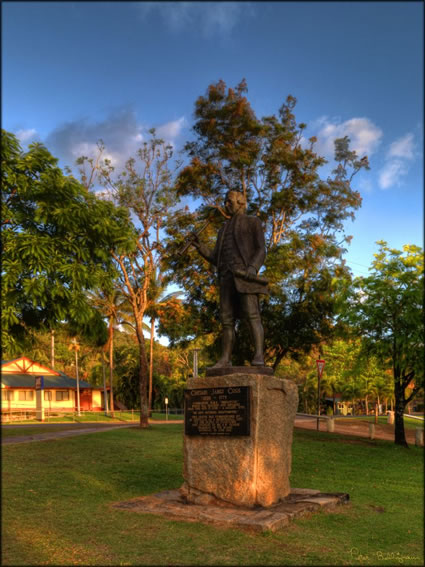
238	255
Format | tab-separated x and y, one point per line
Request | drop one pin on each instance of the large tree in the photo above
144	189
269	160
57	240
386	308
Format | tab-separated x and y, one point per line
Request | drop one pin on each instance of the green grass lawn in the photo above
57	496
85	417
171	416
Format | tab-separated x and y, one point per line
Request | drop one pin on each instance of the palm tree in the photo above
368	390
331	385
385	388
340	356
351	389
114	307
156	301
370	373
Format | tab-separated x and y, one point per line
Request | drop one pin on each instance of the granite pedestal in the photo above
244	470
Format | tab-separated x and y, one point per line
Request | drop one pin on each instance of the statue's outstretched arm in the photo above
203	250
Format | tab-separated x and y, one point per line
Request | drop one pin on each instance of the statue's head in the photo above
235	202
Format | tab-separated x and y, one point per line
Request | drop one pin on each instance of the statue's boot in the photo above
227	340
258	336
222	363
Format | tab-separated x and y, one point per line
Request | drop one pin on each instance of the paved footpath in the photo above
75	429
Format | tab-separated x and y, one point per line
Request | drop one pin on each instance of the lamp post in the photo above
76	347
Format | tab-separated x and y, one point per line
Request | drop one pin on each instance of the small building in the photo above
60	391
338	405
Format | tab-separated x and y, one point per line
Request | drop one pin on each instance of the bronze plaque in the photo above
217	411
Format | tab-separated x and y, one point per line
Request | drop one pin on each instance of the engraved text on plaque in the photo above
217	411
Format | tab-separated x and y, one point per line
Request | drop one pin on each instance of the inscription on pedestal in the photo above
217	411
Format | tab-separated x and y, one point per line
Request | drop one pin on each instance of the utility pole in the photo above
76	347
52	347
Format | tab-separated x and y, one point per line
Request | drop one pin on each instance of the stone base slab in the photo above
300	502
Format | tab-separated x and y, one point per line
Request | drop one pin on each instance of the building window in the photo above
62	396
7	395
47	396
26	395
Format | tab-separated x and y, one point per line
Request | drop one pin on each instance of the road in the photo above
358	428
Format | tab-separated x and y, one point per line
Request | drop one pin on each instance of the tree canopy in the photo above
57	240
269	160
386	308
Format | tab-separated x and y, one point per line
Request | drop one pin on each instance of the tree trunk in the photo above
151	364
143	376
105	393
399	433
366	405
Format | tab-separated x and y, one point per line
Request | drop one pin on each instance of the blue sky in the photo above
74	72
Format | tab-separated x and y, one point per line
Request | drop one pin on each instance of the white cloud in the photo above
171	130
207	17
403	147
391	174
27	136
364	135
221	17
121	133
399	154
90	150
